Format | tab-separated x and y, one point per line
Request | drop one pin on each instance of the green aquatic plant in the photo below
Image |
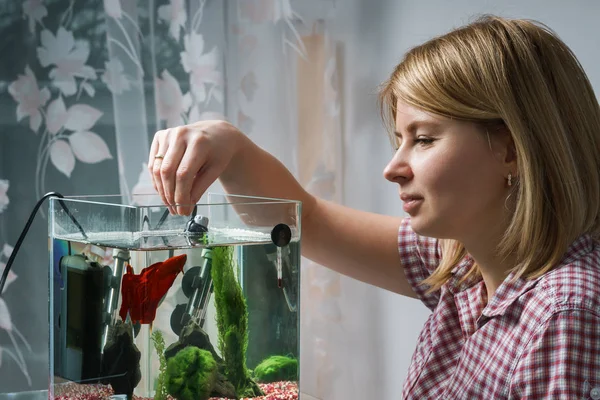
159	345
232	322
277	368
191	374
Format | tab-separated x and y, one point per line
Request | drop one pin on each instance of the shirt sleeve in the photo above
419	256
563	360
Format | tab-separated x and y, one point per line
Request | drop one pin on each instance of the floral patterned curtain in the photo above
86	84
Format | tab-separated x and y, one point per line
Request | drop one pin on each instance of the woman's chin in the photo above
424	227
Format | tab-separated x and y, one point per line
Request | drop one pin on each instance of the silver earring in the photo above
509	179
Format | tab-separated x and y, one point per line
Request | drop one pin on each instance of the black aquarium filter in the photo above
81	322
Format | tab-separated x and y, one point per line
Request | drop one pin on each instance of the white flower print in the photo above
6	322
82	144
114	77
34	10
201	66
175	15
69	57
171	103
56	115
3	197
113	8
29	97
6	252
62	157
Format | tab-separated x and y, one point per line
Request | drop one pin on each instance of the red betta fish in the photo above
142	293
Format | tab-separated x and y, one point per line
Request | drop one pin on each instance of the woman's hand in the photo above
184	161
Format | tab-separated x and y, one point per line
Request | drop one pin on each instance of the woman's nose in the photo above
398	170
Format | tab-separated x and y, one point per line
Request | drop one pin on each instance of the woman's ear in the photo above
503	148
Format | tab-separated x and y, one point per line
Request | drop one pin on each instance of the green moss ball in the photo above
277	368
191	374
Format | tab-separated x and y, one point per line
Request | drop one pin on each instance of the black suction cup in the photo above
198	224
191	281
179	318
281	235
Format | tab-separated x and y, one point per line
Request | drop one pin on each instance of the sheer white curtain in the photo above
288	100
90	85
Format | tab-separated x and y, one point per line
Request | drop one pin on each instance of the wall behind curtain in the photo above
88	84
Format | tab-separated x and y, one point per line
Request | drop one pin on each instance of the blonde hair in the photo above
520	75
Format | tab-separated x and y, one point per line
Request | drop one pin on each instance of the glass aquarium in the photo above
149	305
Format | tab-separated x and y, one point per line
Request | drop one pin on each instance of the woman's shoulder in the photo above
575	283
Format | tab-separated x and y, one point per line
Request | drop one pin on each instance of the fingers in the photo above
184	162
161	146
170	164
153	152
192	164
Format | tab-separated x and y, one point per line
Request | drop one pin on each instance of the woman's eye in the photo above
423	141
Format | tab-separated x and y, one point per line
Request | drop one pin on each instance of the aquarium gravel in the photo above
273	391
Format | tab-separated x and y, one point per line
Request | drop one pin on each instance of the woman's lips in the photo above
411	205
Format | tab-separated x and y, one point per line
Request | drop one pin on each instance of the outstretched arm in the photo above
358	244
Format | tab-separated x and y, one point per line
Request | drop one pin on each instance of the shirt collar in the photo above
510	289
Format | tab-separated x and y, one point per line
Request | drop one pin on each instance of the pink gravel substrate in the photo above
273	391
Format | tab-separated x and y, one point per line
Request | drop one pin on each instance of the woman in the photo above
498	164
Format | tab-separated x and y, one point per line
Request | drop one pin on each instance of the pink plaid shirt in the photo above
537	339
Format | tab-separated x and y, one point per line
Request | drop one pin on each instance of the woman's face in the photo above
452	179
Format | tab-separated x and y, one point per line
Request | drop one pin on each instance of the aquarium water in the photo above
162	314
